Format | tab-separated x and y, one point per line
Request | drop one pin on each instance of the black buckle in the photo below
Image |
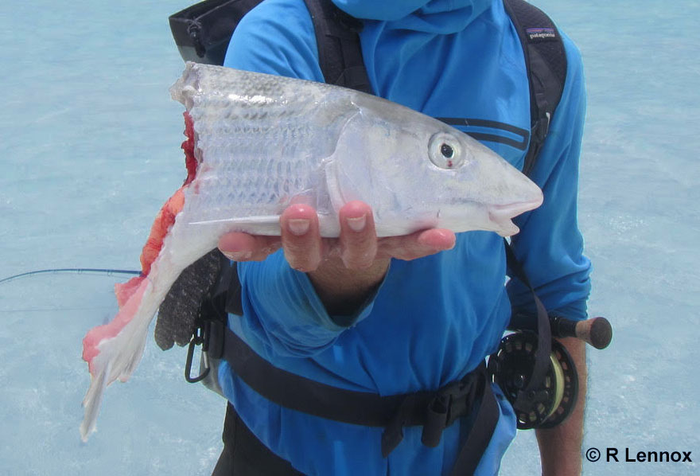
450	403
541	127
194	30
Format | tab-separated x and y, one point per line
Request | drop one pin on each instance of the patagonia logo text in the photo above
541	34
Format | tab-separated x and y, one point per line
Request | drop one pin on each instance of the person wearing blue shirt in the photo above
404	314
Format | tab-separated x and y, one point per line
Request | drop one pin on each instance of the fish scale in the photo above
253	184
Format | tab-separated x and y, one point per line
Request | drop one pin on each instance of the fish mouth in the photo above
502	215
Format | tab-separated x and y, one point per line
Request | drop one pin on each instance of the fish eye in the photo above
445	151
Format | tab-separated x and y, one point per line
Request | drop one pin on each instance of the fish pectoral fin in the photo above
261	219
331	171
257	225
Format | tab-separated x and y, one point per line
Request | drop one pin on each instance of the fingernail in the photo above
357	224
299	226
238	255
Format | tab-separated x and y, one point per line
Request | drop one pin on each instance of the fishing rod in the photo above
102	271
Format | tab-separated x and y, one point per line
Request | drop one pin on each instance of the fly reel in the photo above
543	404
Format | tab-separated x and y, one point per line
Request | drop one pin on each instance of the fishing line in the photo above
102	271
47	309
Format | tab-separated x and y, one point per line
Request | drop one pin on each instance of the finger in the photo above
244	247
438	239
358	237
301	239
417	245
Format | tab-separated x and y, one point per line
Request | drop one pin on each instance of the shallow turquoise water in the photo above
91	149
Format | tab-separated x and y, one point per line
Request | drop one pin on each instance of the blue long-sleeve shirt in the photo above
432	319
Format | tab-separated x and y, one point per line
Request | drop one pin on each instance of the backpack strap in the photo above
339	49
202	31
542	327
545	60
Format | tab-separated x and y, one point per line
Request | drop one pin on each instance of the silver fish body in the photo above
266	142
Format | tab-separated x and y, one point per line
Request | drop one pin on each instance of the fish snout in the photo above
512	210
502	215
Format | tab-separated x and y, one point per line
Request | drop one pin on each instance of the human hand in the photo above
343	270
357	247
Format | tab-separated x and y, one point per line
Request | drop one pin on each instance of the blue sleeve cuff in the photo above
283	312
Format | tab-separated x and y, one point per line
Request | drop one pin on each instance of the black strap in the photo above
318	399
482	430
339	49
545	59
202	31
544	332
435	410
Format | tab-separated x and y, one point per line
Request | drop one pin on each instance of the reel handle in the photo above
596	331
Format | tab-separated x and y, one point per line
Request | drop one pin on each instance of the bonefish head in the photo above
417	170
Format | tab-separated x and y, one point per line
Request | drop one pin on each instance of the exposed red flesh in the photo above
161	225
129	294
188	147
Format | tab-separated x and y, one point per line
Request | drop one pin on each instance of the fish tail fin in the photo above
92	401
131	361
113	350
114	364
